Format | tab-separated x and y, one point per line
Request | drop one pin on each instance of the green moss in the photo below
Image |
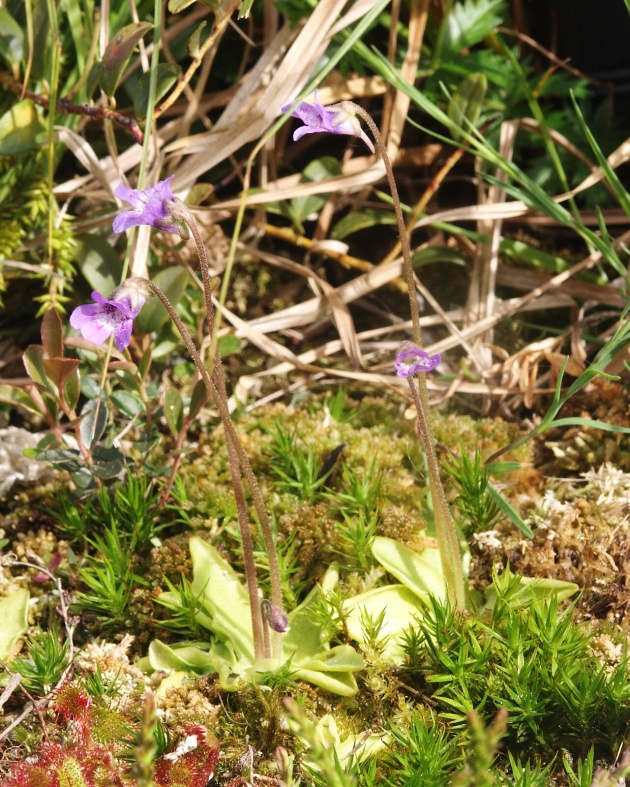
576	449
380	474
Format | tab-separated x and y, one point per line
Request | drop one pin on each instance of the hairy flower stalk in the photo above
448	540
235	455
183	216
159	208
411	361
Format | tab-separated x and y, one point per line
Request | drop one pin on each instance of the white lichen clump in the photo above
14	466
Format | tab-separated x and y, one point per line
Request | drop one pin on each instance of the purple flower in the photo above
97	321
275	617
335	119
411	359
153	206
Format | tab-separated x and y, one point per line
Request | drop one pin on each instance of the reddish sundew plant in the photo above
82	761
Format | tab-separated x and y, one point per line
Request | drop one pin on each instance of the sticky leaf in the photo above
13	614
421	572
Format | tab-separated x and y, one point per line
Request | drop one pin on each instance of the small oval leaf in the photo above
34	363
359	220
174	410
52	334
167	76
194	43
172	281
228	344
93	422
60	370
98	262
64	459
118	52
197	400
72	390
107	462
130	404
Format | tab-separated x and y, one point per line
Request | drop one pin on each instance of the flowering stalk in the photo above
114	316
215	386
183	216
411	360
233	445
446	532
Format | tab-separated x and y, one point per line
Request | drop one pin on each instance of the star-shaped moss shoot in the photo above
411	359
335	119
154	206
114	315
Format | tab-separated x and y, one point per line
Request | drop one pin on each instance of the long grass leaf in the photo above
611	176
509	511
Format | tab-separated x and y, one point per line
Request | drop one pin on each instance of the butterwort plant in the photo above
159	208
412	362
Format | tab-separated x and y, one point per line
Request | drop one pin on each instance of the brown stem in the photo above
430	190
444	527
261	643
182	213
402	229
224	413
446	533
234	445
66	108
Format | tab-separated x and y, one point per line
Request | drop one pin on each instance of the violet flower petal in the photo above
97	321
93	321
335	119
122	334
412	360
303	130
151	206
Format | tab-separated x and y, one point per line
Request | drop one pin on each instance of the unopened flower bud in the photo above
275	617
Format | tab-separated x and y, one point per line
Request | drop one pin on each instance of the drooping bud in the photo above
275	617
